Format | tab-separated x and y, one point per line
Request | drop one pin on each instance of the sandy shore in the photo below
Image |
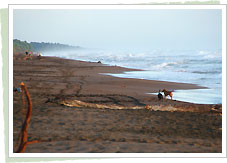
165	126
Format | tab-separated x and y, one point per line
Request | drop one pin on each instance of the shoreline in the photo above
194	95
134	70
106	71
90	126
126	69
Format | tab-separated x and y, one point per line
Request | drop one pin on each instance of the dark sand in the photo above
175	127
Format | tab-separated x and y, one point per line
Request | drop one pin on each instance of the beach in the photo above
77	109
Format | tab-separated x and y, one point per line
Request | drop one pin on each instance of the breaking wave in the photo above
201	67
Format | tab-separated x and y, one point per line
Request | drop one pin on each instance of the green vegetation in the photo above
43	47
22	46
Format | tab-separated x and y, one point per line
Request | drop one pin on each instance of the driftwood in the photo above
24	135
23	103
79	104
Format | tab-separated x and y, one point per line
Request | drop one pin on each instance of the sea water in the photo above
200	67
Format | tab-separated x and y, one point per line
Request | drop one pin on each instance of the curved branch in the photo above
24	136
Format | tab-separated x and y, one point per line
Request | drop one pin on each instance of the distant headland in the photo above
22	46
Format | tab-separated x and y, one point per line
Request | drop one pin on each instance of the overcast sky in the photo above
122	29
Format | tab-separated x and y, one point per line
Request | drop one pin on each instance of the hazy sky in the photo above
122	29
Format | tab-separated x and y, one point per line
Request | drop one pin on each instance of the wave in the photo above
204	52
210	54
181	70
168	64
207	72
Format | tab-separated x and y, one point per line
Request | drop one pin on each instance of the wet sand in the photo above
163	126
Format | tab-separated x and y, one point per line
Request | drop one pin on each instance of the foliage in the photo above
21	46
43	47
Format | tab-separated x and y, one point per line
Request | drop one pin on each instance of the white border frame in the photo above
119	155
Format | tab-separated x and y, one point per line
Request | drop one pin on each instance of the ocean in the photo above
200	67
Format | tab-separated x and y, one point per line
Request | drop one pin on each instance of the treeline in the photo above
43	47
22	46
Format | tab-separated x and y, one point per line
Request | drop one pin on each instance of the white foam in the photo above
197	67
197	96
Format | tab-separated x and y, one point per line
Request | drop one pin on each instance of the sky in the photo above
134	29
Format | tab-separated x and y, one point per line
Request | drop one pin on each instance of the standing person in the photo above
26	55
39	56
30	55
